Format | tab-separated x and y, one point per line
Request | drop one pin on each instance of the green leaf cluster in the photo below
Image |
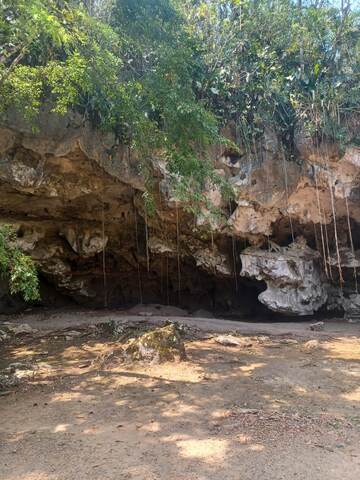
17	267
133	74
282	64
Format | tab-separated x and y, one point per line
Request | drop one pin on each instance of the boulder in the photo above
159	345
317	326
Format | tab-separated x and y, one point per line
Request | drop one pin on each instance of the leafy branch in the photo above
17	267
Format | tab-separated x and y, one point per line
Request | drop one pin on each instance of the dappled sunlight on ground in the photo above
37	475
266	411
248	369
70	397
256	447
353	396
343	348
62	427
178	409
208	450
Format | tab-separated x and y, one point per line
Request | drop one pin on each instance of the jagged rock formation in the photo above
351	306
74	195
292	276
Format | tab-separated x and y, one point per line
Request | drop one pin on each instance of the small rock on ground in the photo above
317	327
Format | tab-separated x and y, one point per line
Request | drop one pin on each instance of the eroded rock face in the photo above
212	261
351	307
75	197
85	242
294	283
271	189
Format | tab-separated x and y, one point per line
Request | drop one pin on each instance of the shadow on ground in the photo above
280	409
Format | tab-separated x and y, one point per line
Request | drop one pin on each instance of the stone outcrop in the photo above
85	242
213	262
292	278
351	307
75	198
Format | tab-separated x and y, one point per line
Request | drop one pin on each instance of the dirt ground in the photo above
278	408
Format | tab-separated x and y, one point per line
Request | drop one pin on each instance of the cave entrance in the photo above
187	286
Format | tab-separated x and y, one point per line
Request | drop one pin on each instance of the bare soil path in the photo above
52	319
280	408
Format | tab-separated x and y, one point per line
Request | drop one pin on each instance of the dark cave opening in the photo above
128	283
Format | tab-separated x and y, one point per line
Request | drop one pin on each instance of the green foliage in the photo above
166	75
278	64
149	203
17	267
133	75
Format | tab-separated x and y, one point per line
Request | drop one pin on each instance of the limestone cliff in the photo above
74	195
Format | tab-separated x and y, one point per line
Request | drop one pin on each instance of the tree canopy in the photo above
166	75
281	63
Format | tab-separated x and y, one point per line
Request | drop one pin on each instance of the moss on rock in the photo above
159	345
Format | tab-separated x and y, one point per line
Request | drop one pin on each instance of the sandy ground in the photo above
279	409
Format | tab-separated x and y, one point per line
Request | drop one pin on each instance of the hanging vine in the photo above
178	252
351	239
137	256
341	280
104	256
325	262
